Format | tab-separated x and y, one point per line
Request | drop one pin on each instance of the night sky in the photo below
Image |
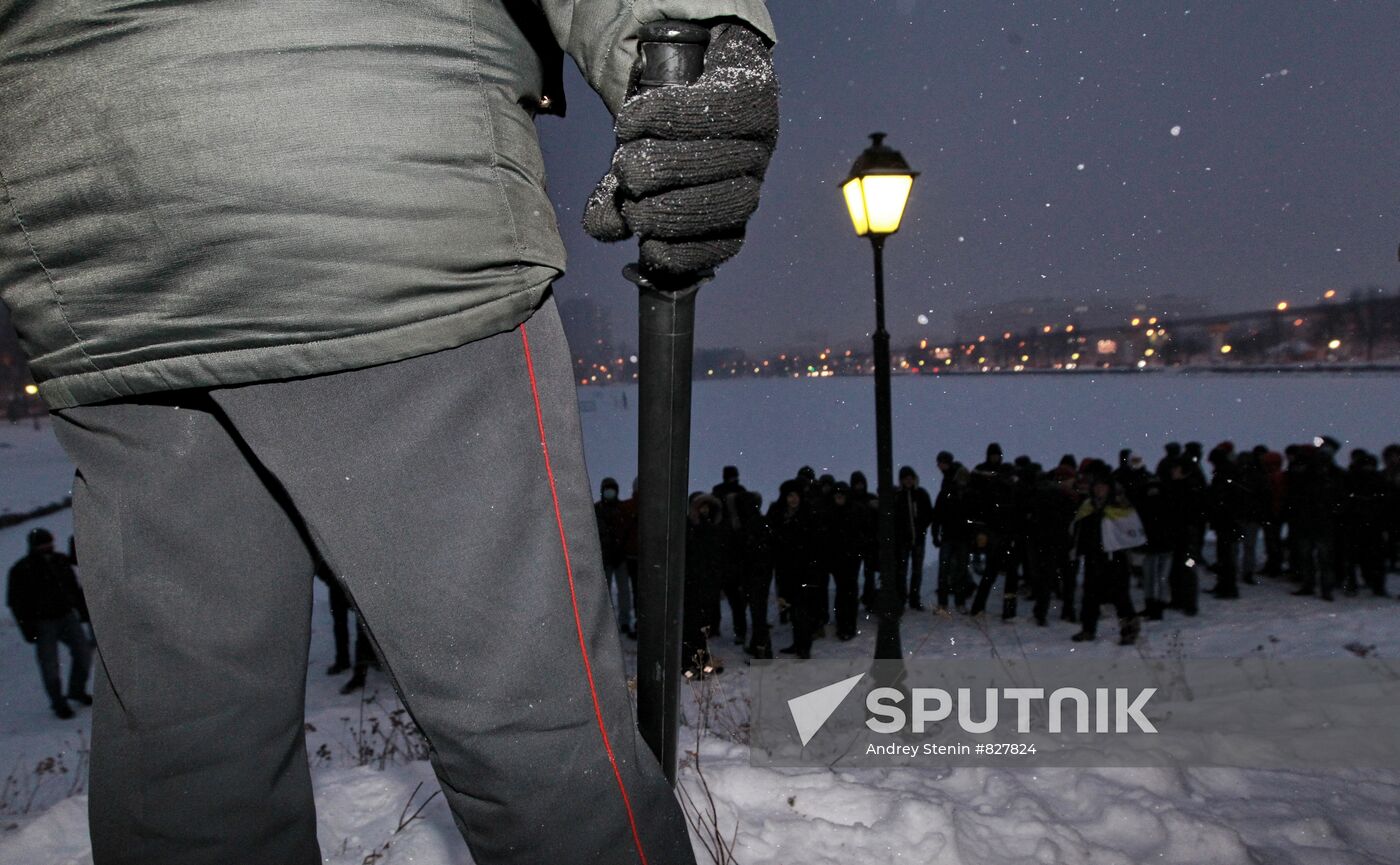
1243	152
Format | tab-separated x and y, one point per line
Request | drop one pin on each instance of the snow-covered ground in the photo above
966	816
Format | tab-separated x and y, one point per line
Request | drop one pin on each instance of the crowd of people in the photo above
1080	533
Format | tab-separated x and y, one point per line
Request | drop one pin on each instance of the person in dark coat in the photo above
1053	507
758	572
1227	504
1390	471
868	519
613	529
913	512
703	560
821	500
1316	487
733	567
842	534
795	550
1162	529
44	596
952	534
995	514
1363	519
1271	495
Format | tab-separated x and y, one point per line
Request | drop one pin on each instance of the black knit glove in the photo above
686	174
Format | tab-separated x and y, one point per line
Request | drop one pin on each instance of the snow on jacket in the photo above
217	192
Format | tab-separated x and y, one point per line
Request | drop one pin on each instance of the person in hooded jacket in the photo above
795	544
913	513
45	599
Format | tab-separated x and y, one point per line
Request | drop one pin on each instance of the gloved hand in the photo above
690	160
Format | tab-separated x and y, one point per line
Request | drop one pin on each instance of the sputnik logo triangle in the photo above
811	710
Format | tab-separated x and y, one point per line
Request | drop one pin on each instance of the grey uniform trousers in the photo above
449	495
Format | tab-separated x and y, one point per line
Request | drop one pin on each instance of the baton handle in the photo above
672	54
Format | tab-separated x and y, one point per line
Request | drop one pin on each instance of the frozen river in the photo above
770	427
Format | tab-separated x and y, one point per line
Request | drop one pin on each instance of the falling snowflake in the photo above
1079	167
1176	131
922	319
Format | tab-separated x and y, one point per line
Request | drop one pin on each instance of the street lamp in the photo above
876	192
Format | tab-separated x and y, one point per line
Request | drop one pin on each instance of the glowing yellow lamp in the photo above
877	190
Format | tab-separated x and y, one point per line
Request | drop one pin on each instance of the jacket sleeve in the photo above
601	35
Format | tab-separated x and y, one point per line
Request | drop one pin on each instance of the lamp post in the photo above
876	192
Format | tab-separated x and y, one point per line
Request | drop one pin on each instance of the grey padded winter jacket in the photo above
212	192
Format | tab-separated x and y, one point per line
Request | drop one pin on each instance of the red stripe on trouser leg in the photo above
573	597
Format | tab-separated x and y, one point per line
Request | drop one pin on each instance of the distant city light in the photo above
1282	306
31	389
1330	293
1135	322
1226	349
1046	329
1335	344
1108	346
982	338
1149	352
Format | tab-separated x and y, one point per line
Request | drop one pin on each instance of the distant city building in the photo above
1022	316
